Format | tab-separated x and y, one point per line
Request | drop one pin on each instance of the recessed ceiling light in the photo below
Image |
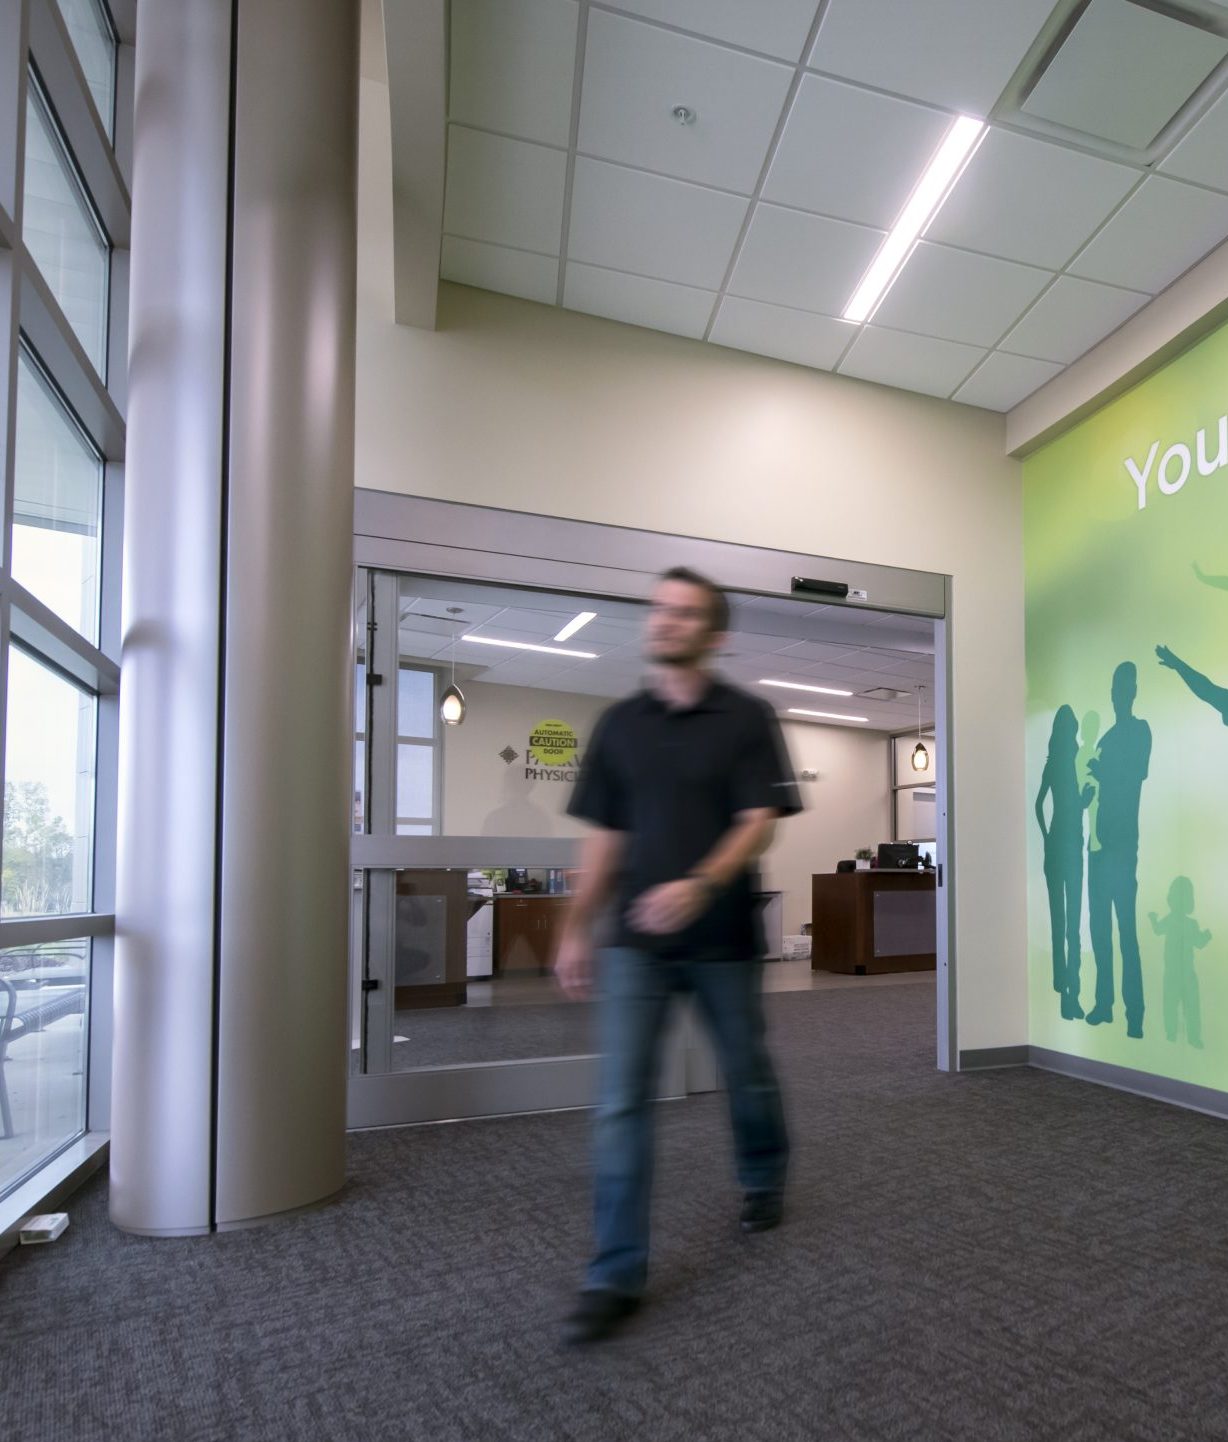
529	646
936	183
575	624
797	686
825	715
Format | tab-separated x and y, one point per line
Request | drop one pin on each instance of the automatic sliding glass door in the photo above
463	854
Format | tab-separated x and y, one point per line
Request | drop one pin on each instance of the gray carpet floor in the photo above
453	1035
1007	1255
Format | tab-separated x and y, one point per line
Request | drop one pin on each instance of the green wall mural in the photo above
1126	544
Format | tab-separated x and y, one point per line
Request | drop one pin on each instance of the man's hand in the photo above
573	965
662	910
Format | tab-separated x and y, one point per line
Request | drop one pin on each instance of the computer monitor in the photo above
897	856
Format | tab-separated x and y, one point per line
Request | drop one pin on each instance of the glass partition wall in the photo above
64	213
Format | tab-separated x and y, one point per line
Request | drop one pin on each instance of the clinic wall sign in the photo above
554	752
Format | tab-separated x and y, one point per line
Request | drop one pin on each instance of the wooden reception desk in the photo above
873	921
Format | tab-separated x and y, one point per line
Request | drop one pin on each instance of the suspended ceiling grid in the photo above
569	182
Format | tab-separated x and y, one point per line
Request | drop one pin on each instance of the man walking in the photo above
683	782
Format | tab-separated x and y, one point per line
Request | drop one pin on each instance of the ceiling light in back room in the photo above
530	646
575	624
825	715
798	686
937	181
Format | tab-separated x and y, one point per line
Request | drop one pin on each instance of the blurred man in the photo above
684	782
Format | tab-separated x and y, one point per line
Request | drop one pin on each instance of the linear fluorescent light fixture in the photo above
957	149
575	624
529	646
797	686
825	715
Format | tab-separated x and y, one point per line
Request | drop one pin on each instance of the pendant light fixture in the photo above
920	755
452	704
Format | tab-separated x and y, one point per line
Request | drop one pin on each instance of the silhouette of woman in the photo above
1064	854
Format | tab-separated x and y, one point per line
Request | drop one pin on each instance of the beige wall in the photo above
847	807
526	407
485	796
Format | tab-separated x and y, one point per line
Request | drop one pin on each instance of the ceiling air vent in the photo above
885	693
1124	70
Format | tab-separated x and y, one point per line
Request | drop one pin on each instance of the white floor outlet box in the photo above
44	1228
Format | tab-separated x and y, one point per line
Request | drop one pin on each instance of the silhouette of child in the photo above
1182	937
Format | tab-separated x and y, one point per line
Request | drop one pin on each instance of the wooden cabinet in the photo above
527	930
873	921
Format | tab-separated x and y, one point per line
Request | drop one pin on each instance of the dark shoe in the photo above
1071	1009
1099	1015
1134	1029
761	1211
598	1314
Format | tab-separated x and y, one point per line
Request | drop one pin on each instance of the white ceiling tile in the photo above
1203	154
1070	318
657	304
495	267
792	259
775	330
773	27
1158	234
913	362
1002	381
1157	64
504	191
1026	200
668	229
852	153
955	295
635	74
955	53
513	67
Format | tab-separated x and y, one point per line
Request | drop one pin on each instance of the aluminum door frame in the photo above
454	541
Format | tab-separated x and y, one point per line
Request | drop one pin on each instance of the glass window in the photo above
57	506
44	995
48	793
94	41
415	703
61	233
415	782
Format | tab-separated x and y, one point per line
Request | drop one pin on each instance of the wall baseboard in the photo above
1126	1079
1120	1078
985	1058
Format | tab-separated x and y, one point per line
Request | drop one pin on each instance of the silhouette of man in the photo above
1119	770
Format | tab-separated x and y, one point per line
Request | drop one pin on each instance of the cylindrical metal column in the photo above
162	1068
229	1096
288	741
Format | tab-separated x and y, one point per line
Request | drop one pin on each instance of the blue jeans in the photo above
636	991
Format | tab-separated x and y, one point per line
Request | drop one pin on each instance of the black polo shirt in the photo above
674	780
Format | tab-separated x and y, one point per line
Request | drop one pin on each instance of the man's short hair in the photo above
718	602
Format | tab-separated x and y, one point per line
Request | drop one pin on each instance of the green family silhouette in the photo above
1102	778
